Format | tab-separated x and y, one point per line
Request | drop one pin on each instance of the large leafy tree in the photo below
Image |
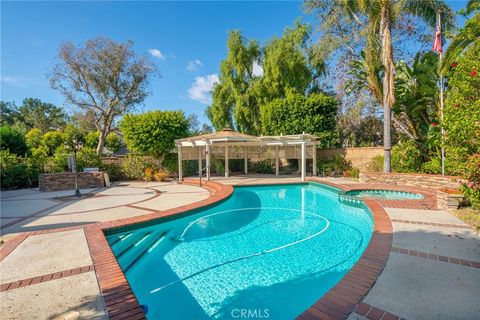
296	113
153	133
236	96
104	77
379	18
35	113
252	76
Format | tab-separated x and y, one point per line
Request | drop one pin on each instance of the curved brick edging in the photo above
121	303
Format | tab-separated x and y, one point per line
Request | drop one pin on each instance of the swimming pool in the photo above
385	194
267	251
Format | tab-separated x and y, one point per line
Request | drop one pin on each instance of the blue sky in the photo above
187	41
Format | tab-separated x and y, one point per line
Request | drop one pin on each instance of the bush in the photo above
352	173
115	172
112	142
315	114
406	157
336	164
17	172
34	138
170	164
472	173
376	163
87	158
134	166
262	166
52	140
12	140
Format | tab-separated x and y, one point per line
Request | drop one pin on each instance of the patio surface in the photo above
433	271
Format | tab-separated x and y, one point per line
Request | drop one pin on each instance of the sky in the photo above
186	40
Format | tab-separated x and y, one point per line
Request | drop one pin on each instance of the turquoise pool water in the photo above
265	252
385	194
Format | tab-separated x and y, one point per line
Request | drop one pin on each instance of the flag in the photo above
437	42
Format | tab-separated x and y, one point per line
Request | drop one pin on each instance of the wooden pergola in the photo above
227	139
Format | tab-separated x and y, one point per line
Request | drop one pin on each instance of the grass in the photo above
469	216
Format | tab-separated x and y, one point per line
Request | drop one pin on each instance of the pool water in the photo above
385	194
267	251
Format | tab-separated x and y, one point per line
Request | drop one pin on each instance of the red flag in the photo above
437	42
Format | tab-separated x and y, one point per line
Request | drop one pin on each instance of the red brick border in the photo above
432	256
342	299
45	278
374	313
436	224
338	303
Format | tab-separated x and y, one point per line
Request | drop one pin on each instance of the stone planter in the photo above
66	181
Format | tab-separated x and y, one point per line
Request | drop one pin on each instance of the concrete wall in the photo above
431	181
66	181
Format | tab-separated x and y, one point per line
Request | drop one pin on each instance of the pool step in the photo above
128	242
136	252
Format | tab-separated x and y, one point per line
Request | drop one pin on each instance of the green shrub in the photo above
115	172
12	140
265	166
52	140
134	166
406	157
87	158
336	164
472	173
170	164
352	173
376	163
34	138
17	172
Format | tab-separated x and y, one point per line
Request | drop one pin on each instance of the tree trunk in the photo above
101	141
388	84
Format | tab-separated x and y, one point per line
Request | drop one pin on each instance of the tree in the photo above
379	18
153	133
296	113
194	126
112	142
8	113
236	96
41	115
252	76
12	140
52	140
34	138
103	77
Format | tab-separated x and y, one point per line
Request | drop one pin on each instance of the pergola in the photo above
200	145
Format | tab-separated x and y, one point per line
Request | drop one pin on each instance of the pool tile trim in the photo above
374	313
340	301
121	303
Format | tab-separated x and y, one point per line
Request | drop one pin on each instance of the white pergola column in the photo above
277	162
314	159
207	146
180	167
245	160
226	162
200	162
303	161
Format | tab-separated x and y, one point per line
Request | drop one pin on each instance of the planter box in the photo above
66	181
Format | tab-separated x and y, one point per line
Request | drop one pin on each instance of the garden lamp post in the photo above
75	146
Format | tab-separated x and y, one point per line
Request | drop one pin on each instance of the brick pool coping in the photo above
337	303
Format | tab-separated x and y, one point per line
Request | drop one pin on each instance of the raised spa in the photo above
270	250
384	194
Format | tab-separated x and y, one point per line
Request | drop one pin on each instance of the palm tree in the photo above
381	16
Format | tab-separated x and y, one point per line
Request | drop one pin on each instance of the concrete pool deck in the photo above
415	284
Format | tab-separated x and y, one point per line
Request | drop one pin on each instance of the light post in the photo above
75	146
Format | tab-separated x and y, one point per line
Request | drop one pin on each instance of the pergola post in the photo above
200	171
180	167
245	160
277	162
207	146
303	162
226	163
314	159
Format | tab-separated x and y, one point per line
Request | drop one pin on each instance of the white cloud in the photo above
257	69
20	82
194	65
201	88
157	54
